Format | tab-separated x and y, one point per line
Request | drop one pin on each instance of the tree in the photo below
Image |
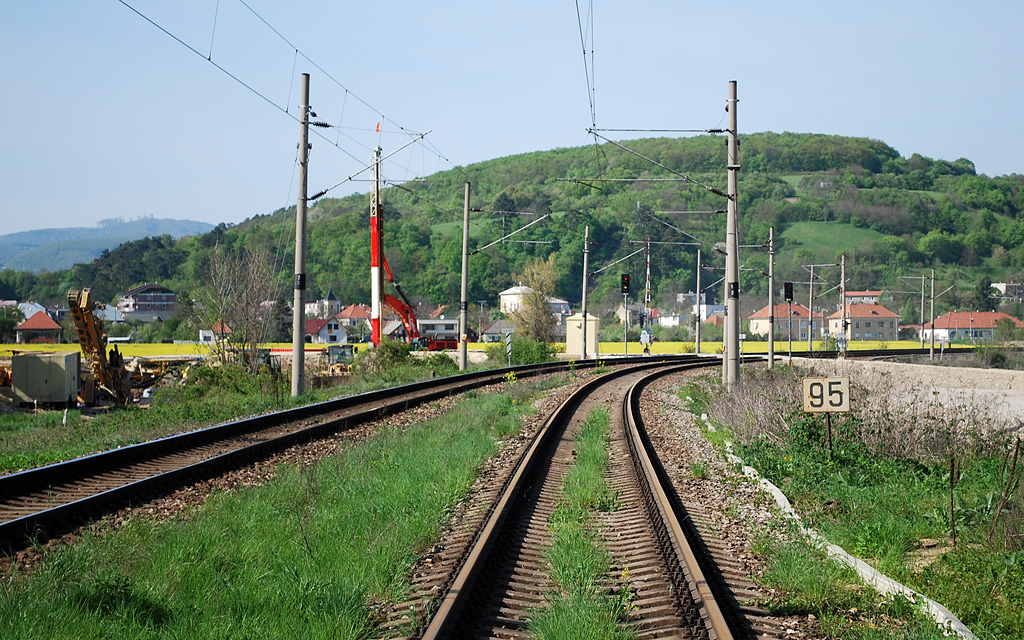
236	284
533	318
984	295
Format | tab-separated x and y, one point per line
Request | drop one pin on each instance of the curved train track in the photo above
44	502
681	580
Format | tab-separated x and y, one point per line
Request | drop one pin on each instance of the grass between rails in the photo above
888	508
206	396
585	607
306	555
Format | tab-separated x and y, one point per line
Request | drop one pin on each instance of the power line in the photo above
713	190
284	109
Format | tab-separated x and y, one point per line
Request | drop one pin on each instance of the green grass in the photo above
811	583
304	556
828	238
206	396
885	509
584	605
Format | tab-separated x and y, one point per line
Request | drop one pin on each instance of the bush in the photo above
524	351
388	354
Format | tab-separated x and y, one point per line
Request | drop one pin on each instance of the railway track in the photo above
498	579
41	503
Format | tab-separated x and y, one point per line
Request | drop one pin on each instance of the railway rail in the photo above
40	503
500	579
683	583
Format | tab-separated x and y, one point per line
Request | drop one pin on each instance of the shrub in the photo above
524	351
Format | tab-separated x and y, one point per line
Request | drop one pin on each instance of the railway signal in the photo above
625	283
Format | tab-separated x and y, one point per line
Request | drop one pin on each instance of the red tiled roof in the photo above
314	326
221	328
354	312
782	311
39	321
971	320
865	311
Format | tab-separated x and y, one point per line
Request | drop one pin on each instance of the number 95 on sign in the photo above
827	395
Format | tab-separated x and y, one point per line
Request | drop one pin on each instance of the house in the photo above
326	308
967	326
147	303
716	319
495	332
439	328
863	297
801	315
355	318
866	322
325	331
220	331
39	329
1009	290
510	300
108	313
705	311
29	309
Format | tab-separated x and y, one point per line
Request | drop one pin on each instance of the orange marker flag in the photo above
378	127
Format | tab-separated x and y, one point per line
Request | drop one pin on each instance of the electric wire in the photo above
213	32
713	190
284	109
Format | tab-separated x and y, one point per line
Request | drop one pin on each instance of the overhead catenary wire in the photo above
284	109
713	190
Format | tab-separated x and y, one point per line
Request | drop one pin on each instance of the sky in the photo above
189	109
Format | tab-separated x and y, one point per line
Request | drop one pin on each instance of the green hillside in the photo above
824	195
826	241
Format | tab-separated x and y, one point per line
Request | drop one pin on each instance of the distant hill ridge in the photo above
59	249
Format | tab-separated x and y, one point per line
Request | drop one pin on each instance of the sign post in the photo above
828	396
508	346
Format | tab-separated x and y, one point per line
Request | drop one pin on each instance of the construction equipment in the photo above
402	307
103	372
339	359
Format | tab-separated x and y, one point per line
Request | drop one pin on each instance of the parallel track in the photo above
47	501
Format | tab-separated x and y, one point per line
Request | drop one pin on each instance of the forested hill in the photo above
825	195
56	249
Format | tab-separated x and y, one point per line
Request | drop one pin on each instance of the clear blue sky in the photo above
104	116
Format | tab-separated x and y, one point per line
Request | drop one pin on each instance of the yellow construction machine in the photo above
103	373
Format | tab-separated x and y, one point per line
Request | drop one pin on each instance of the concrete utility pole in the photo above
931	349
376	253
298	303
700	314
810	309
464	308
732	272
922	312
771	297
842	303
586	267
625	324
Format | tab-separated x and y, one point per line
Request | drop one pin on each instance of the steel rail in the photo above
23	531
684	566
445	621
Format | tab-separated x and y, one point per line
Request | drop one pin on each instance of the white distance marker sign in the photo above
827	395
